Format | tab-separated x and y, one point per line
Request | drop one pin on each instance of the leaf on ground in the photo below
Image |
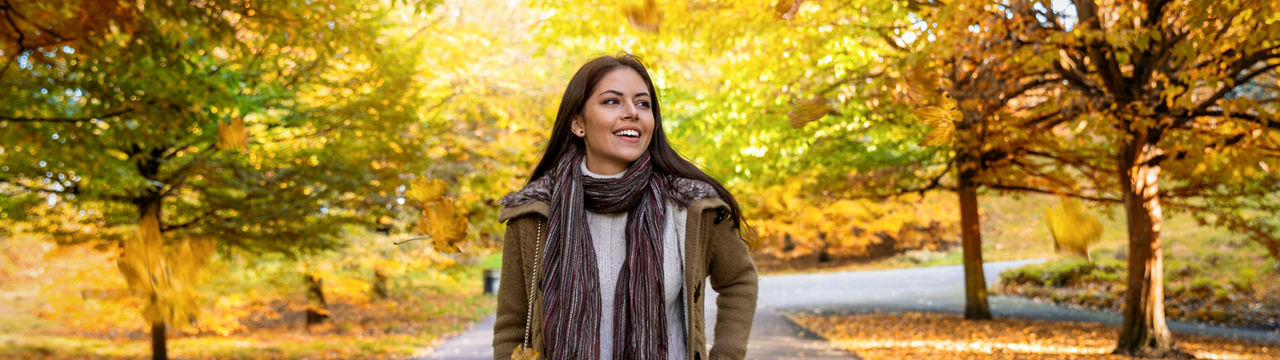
949	336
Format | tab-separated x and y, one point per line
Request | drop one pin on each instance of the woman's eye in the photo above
610	101
643	104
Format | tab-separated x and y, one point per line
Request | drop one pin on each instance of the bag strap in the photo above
533	284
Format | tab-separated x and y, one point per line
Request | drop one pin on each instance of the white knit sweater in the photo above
608	236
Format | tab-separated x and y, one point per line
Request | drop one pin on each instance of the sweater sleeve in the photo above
733	276
509	324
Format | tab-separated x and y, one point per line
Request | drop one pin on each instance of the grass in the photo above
261	303
1218	279
1012	229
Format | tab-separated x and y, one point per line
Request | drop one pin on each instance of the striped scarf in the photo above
569	280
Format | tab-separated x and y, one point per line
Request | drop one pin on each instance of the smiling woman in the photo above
615	234
616	126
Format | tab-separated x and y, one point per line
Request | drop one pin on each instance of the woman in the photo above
615	234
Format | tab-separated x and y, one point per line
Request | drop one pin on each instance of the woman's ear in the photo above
576	126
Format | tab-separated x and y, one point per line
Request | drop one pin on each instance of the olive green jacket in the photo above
712	249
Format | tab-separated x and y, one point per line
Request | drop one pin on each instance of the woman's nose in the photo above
630	111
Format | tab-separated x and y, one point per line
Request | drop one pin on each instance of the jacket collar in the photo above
534	197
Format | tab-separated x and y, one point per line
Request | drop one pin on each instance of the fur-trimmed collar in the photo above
684	191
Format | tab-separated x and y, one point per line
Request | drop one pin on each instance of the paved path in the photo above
933	289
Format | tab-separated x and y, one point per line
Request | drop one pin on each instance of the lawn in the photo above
251	312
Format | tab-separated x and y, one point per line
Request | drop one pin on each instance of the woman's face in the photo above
617	121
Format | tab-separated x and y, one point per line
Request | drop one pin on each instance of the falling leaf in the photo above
1073	229
644	17
440	219
786	9
233	136
164	275
942	119
425	190
808	110
522	353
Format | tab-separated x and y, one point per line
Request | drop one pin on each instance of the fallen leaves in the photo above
949	336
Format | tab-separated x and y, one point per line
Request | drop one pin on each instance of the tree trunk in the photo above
1144	333
379	284
151	206
975	282
824	254
317	309
158	350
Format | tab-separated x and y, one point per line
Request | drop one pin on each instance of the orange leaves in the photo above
645	17
440	218
233	136
1072	228
946	336
164	276
808	110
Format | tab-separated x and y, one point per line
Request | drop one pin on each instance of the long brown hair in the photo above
665	159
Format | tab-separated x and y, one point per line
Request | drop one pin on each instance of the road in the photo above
931	289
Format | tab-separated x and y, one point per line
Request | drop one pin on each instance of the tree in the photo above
211	120
1184	94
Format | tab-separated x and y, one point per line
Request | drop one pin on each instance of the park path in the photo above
931	289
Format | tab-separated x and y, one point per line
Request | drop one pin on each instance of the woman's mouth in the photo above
628	135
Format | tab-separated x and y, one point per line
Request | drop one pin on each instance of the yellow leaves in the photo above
1072	228
440	220
164	276
425	190
522	353
808	110
233	136
942	119
786	9
645	17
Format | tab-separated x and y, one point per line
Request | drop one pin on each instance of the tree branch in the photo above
1101	199
109	114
